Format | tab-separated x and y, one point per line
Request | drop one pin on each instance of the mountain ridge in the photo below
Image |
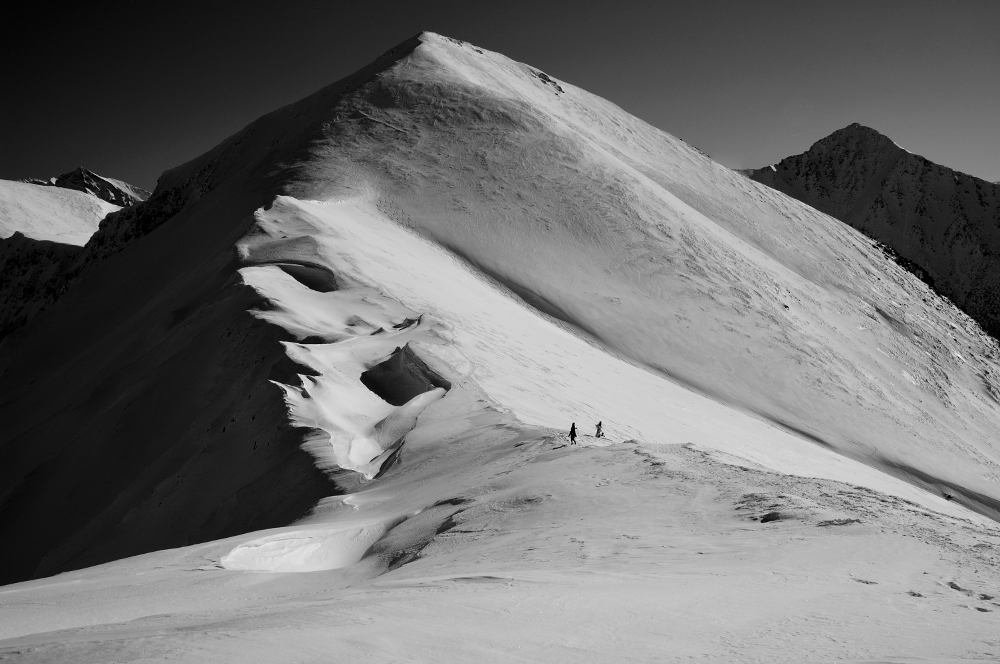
196	331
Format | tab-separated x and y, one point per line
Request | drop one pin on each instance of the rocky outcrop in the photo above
942	225
113	191
32	275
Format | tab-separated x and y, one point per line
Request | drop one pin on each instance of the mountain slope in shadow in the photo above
939	223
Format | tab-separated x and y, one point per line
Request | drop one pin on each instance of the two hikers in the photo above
572	432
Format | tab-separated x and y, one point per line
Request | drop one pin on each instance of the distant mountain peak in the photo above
113	191
856	136
937	222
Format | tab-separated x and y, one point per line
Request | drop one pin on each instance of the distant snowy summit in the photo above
113	191
44	227
942	225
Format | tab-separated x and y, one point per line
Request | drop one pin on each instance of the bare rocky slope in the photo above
141	410
942	225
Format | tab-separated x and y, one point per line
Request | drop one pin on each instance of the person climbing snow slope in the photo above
572	433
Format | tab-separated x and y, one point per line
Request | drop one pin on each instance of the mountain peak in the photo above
910	205
82	179
856	136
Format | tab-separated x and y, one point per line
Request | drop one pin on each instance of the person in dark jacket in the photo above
600	431
572	433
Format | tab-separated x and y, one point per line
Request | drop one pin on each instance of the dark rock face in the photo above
942	225
32	276
112	191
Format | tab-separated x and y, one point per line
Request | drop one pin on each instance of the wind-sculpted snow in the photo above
534	246
353	427
663	256
400	288
350	340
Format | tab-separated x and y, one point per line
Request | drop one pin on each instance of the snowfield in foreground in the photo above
421	275
692	530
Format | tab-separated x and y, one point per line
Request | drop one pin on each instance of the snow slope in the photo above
664	257
513	546
50	213
421	275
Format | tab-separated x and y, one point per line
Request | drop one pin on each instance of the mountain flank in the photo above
939	223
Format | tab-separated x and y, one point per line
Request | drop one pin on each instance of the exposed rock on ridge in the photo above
113	191
943	225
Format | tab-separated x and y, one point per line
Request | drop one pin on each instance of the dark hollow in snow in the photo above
317	278
401	377
771	516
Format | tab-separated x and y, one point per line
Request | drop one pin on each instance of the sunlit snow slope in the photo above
520	242
645	245
50	213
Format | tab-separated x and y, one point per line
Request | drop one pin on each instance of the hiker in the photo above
600	431
572	434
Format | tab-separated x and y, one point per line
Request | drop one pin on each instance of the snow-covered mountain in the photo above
944	225
42	232
349	341
113	191
73	211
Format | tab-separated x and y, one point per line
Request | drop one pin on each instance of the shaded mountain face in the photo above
113	191
532	244
32	276
941	224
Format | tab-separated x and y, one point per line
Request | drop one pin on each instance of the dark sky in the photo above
130	89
